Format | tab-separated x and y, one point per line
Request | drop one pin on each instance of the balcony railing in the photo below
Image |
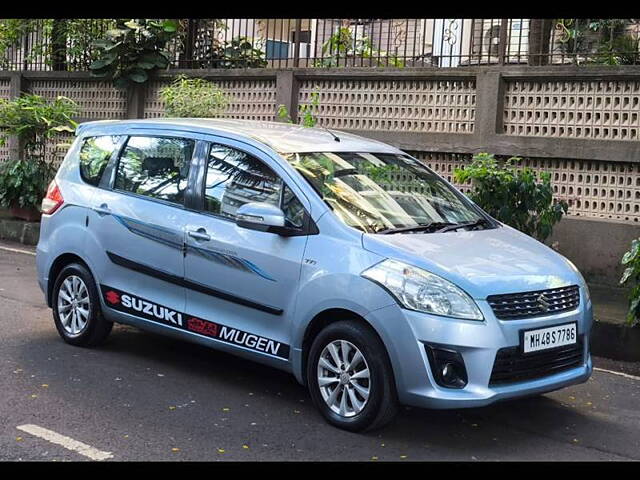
67	44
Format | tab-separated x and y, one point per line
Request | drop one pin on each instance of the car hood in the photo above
482	262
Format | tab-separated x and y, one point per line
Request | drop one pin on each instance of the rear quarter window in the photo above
94	156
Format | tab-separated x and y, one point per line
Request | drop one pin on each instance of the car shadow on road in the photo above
479	429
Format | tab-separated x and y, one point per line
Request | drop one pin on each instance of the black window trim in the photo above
110	179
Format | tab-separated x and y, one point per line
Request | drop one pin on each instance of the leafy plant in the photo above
621	50
513	195
12	30
597	41
193	97
34	120
632	272
23	182
133	49
306	110
66	43
240	53
342	45
283	114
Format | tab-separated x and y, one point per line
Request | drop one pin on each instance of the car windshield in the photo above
382	192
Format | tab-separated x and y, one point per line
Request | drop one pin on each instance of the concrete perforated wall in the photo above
248	99
405	105
599	110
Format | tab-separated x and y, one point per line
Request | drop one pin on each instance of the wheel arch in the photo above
57	265
325	318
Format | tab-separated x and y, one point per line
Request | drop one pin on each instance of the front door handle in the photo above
200	234
102	210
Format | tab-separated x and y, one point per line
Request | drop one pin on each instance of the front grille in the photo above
511	365
514	306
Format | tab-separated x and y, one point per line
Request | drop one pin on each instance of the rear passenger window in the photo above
94	156
235	178
155	167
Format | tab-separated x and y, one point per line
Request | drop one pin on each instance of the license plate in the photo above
550	337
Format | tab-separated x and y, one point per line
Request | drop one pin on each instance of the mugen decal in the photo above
134	305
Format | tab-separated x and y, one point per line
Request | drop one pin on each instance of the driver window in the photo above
235	178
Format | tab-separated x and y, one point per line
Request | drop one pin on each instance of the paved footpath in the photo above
146	397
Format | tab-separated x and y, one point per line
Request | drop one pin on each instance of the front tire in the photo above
76	308
350	377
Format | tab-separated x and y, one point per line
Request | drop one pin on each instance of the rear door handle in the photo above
102	210
200	234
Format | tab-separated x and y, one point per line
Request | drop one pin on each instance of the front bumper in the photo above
406	332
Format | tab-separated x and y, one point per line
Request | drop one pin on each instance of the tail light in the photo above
53	200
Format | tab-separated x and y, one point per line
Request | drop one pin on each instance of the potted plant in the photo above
34	121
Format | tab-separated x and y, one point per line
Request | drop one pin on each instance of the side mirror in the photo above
263	217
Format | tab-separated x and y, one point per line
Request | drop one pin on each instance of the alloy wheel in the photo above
343	377
74	305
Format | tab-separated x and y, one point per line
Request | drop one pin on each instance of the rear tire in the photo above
76	308
351	393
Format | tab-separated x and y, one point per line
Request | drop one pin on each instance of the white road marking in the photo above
66	442
17	250
625	375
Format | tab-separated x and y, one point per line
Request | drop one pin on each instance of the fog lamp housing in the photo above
447	367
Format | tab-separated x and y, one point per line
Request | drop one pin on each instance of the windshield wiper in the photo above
455	226
416	228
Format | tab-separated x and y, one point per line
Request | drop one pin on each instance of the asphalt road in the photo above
146	397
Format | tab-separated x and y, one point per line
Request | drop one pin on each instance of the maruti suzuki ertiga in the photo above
340	259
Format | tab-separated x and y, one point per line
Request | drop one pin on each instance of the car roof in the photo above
281	137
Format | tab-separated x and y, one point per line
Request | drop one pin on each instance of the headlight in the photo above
417	289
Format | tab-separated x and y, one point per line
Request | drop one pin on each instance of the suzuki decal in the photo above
139	307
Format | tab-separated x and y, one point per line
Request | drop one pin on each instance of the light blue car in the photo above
340	259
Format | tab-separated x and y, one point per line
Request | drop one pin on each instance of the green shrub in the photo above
343	45
512	195
34	120
193	97
134	48
23	183
239	53
305	112
282	114
632	273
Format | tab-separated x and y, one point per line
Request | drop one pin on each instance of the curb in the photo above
19	231
615	341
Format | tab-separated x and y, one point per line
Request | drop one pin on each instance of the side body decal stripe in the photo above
172	239
183	282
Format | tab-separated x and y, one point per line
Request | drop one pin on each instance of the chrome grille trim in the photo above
515	306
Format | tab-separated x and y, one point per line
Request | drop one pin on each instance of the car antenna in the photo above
335	137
